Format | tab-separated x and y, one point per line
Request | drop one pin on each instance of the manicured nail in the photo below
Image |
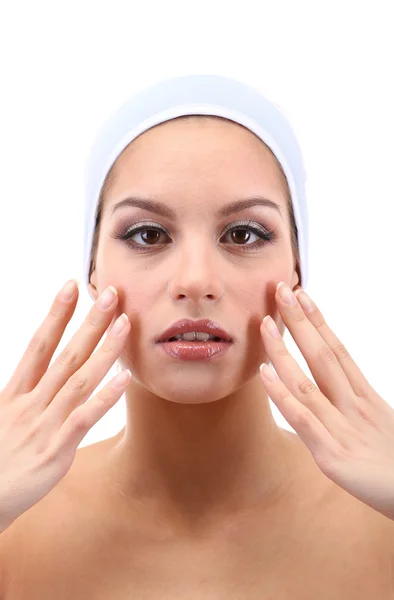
69	290
121	378
271	327
119	324
107	297
268	373
305	301
286	294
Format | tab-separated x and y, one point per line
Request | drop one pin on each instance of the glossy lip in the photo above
188	325
195	351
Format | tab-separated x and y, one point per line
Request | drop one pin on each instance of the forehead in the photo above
198	138
207	157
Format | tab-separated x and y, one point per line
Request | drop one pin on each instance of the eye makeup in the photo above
263	234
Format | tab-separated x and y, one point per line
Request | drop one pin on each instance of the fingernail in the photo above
271	327
305	301
119	324
121	378
68	291
107	297
268	373
286	294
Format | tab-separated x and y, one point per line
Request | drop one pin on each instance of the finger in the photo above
82	419
42	346
311	430
295	380
82	384
323	364
78	350
357	380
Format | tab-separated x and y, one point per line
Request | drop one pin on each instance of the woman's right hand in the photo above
44	415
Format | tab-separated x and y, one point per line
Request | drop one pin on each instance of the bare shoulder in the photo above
71	535
59	515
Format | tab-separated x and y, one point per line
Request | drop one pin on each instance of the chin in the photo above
194	383
186	390
197	393
192	400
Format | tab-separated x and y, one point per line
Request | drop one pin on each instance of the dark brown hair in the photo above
110	179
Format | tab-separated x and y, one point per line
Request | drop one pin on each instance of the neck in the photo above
196	463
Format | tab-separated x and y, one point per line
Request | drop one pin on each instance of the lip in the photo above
188	325
195	351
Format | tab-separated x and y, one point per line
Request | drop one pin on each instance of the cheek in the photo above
256	296
140	294
256	300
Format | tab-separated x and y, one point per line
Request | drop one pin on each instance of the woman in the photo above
195	212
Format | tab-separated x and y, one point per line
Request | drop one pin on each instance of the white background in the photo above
329	65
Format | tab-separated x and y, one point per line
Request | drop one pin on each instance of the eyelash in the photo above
265	235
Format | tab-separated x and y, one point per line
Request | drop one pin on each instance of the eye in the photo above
151	235
244	231
242	235
148	233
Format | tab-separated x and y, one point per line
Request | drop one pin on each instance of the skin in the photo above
200	443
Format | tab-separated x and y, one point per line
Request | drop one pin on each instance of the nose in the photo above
196	276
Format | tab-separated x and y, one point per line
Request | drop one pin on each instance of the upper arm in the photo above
4	555
8	549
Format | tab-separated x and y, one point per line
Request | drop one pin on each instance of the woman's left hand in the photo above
346	425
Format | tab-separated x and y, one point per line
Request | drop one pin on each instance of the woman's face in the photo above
200	264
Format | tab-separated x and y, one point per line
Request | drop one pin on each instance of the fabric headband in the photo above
197	95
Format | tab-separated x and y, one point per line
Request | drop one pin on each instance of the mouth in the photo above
195	350
203	331
188	338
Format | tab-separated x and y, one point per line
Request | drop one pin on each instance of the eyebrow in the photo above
161	209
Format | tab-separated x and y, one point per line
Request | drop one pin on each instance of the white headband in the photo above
197	95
